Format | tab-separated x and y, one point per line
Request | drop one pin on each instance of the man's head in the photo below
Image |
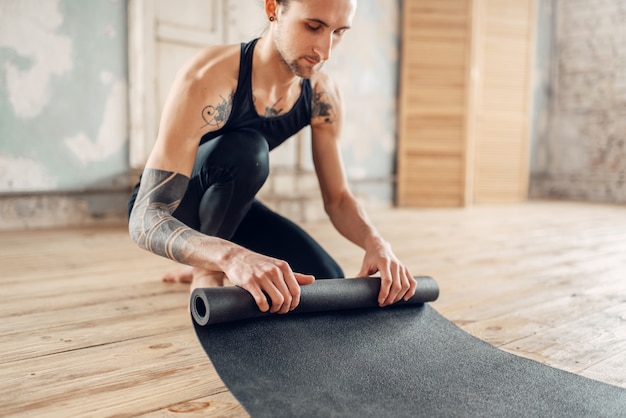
305	31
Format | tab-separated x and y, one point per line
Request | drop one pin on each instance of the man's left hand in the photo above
396	283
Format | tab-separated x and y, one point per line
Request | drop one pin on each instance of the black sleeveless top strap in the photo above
244	116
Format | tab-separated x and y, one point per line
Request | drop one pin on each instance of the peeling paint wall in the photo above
580	146
365	67
63	108
63	102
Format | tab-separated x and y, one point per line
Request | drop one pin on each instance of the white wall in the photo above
63	113
63	105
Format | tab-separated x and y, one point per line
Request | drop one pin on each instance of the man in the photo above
195	203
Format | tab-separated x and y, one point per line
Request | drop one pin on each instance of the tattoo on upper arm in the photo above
151	224
218	115
322	107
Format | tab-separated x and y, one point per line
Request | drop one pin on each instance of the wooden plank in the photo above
541	279
122	379
223	405
591	339
433	92
505	42
609	370
435	76
77	287
429	96
40	334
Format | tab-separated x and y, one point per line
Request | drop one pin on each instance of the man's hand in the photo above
261	275
396	282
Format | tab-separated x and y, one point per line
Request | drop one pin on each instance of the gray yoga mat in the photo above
339	355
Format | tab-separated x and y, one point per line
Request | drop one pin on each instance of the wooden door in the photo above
504	49
163	34
465	101
434	89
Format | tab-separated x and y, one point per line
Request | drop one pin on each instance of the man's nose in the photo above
323	47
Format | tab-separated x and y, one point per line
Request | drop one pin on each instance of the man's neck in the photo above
270	68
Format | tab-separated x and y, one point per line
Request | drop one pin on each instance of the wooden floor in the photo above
87	328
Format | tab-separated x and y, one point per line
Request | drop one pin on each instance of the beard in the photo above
302	70
301	66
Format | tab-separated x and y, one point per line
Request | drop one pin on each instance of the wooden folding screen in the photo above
464	101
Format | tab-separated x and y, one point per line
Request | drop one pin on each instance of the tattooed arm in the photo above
195	105
199	103
151	224
346	214
153	228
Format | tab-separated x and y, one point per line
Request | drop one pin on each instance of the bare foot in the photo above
205	278
182	275
196	277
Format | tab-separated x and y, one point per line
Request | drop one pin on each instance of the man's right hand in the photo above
261	275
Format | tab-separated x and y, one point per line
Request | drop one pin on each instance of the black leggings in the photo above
220	201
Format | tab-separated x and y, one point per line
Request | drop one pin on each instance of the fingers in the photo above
259	298
288	284
304	279
385	287
266	291
289	288
396	284
276	288
300	280
412	286
364	272
279	286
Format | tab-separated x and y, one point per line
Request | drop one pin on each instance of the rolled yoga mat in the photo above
340	355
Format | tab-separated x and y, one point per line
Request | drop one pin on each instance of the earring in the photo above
271	18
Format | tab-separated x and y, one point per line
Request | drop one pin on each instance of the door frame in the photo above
142	81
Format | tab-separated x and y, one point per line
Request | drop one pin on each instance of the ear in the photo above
271	9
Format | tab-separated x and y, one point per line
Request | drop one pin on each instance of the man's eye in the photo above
313	27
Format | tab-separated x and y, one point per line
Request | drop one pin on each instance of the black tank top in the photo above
244	116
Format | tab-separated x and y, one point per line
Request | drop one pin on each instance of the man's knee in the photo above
243	154
251	152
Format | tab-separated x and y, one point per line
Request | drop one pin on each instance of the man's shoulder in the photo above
208	77
213	61
326	100
322	80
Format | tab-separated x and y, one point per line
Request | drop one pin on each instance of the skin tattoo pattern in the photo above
151	222
322	108
272	112
218	115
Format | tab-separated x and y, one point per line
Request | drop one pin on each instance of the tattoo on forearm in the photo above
152	225
218	115
322	108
